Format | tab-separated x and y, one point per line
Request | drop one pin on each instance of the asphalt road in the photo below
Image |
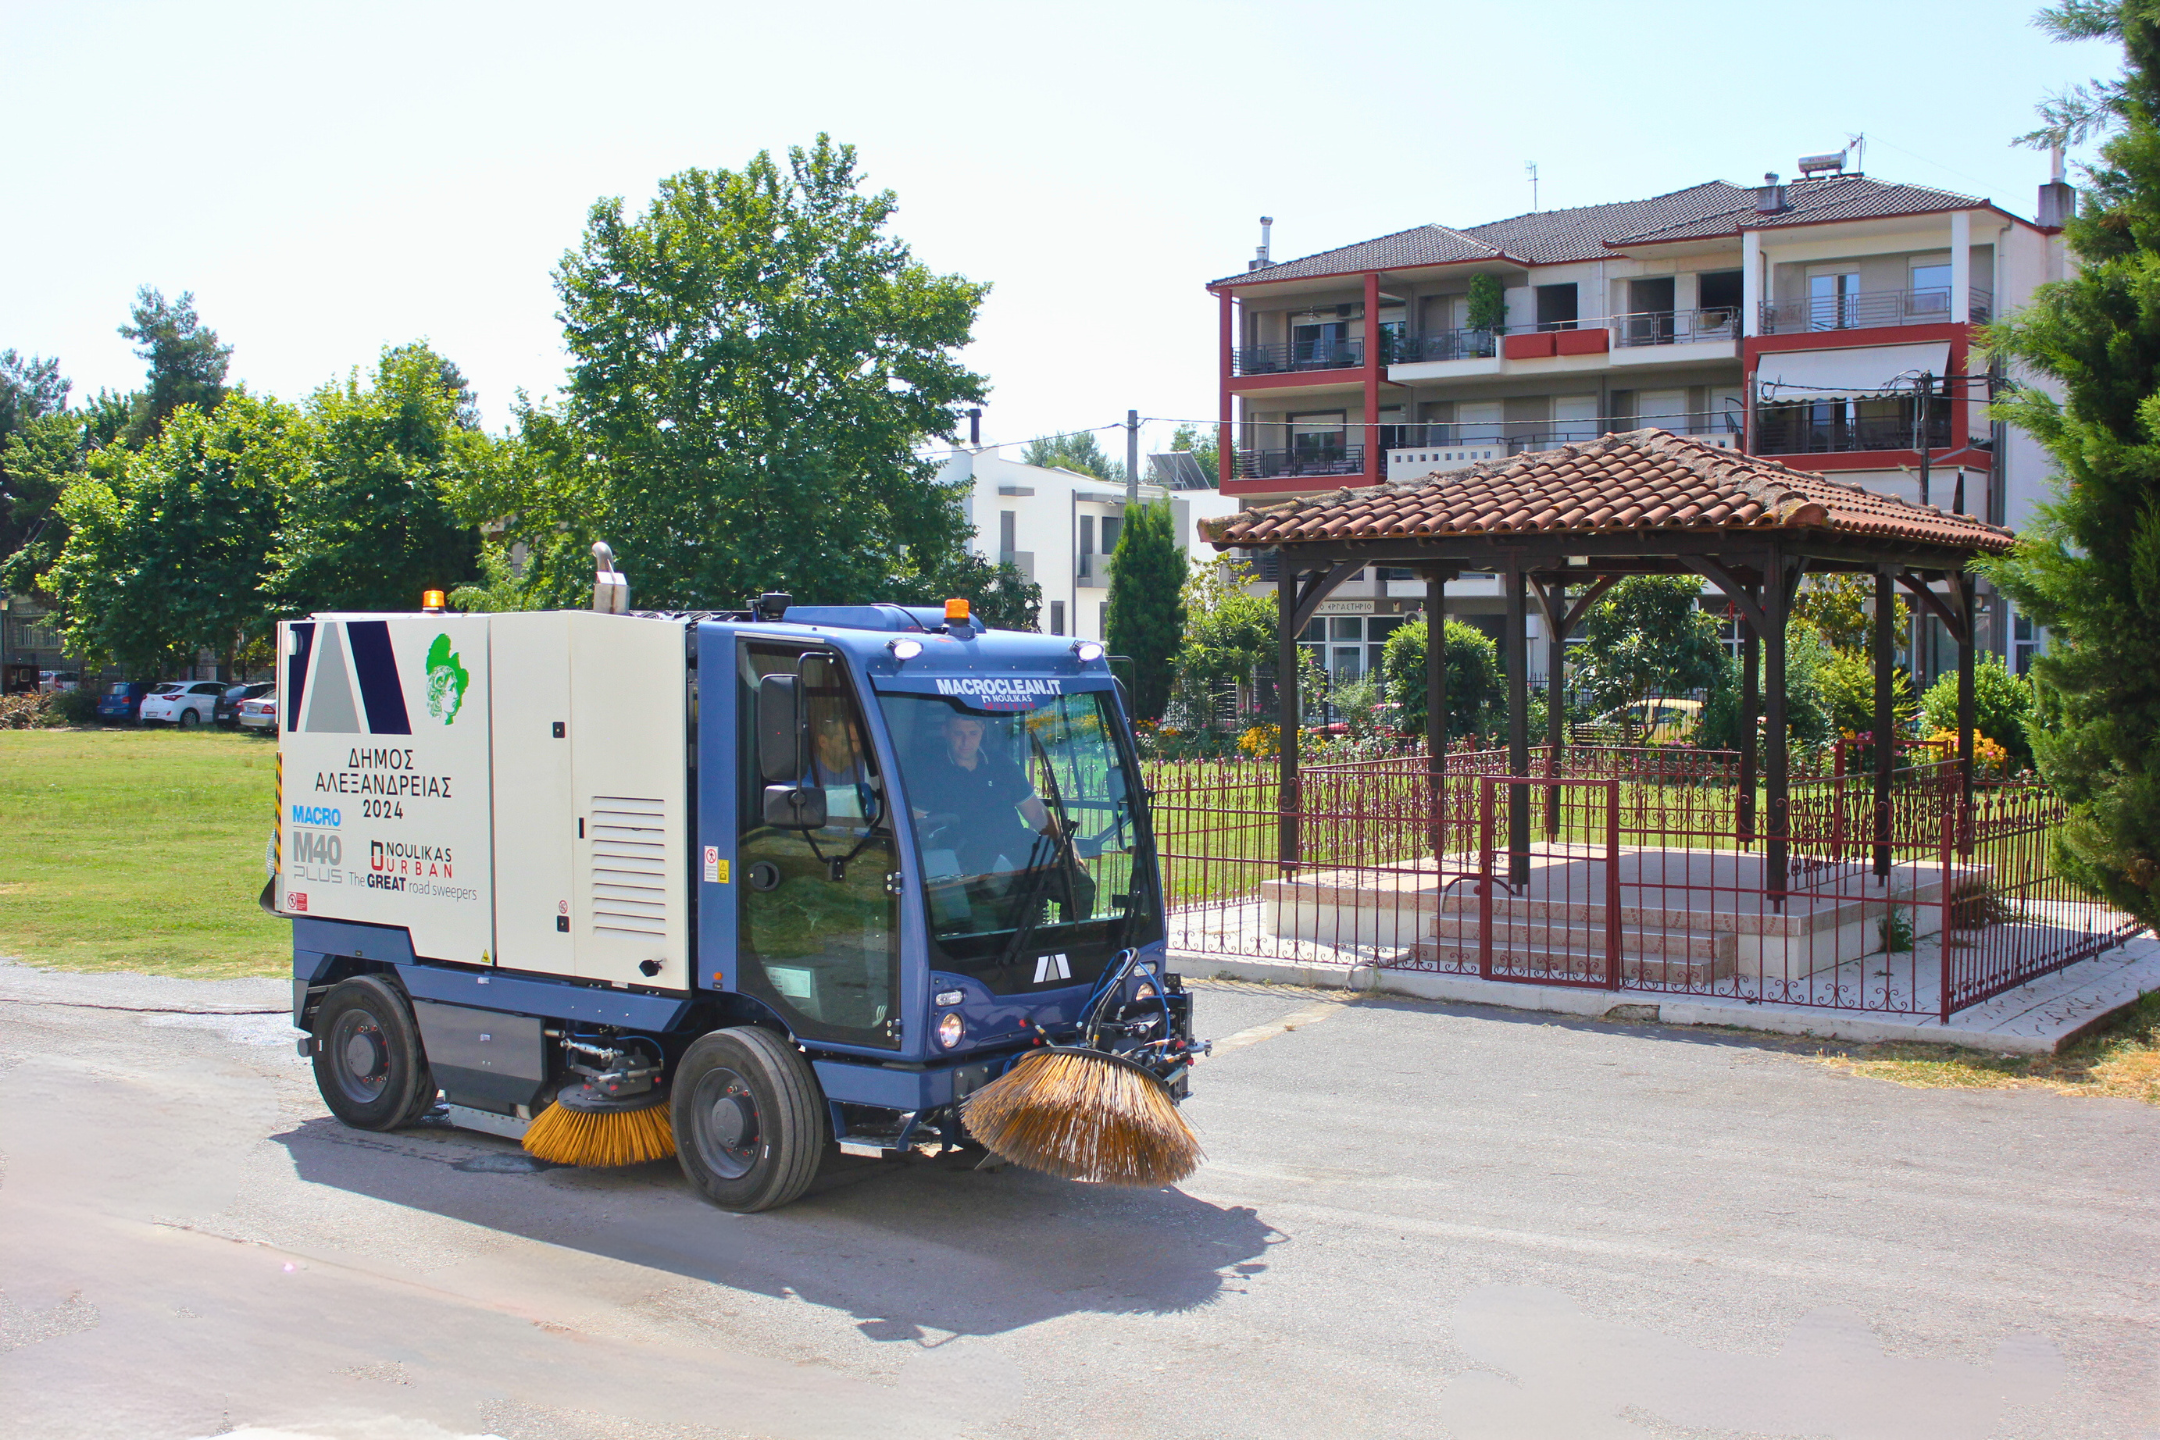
1417	1220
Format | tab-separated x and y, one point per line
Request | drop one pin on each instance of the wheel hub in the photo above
726	1115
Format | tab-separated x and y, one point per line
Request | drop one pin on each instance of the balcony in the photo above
1675	327
1862	309
1424	449
1316	462
1290	357
1444	345
1833	427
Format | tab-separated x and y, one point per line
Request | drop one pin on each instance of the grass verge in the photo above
2120	1060
138	850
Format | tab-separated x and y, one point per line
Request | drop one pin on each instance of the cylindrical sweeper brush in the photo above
618	1116
1082	1113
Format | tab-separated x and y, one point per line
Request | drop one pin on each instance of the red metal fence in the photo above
1629	869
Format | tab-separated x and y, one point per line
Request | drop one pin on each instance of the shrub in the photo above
28	712
1473	677
1848	692
2002	703
76	707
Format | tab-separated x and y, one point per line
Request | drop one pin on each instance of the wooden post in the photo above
1750	707
1555	662
1965	714
1885	750
1775	601
1286	695
1518	701
1436	708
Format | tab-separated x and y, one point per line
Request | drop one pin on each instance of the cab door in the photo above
818	924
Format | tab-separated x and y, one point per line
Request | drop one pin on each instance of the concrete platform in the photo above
2039	1017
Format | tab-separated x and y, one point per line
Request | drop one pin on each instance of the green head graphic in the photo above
446	680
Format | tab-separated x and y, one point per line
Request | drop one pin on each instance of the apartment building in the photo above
1825	322
1060	527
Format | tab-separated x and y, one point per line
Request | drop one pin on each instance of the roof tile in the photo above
1640	481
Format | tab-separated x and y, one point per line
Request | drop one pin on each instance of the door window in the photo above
817	929
1834	300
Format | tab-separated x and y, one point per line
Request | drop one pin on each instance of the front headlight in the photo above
950	1029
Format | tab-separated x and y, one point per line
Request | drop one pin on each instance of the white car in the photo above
184	705
259	714
56	682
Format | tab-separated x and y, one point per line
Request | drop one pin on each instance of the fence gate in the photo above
1548	910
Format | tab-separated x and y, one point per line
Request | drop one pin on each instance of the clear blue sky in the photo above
329	179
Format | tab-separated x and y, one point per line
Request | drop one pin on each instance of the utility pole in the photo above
1132	458
1927	396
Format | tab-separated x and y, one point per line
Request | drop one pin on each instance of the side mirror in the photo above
794	807
779	731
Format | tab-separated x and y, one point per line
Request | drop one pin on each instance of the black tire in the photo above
369	1063
749	1119
189	719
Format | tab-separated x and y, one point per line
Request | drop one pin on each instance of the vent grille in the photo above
629	865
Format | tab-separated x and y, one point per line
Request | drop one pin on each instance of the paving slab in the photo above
2037	1018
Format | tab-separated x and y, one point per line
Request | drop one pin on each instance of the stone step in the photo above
1667	944
1577	961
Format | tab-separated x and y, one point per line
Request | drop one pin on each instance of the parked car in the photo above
184	705
123	703
52	682
260	714
1649	722
227	710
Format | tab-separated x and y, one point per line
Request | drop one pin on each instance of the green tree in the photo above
2089	570
1147	606
756	365
1647	636
372	518
187	365
1488	303
998	595
497	589
1808	664
1229	633
1202	446
28	389
33	393
167	548
1474	687
2002	704
1080	451
1841	606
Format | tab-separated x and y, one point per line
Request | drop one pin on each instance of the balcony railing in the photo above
1285	357
1863	308
1831	427
1319	462
1446	345
1676	327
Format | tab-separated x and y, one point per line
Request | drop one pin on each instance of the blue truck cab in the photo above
811	873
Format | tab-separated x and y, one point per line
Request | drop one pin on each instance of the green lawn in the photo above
138	850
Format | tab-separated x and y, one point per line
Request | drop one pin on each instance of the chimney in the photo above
2058	199
1260	259
1770	198
974	415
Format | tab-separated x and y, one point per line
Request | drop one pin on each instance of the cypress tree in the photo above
2089	570
1147	605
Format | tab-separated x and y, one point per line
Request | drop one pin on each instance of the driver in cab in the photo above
979	786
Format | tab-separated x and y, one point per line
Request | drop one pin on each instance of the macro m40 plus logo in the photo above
446	681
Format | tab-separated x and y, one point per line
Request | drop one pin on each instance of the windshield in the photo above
1034	853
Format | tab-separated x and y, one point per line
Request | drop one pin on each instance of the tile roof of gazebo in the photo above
1644	480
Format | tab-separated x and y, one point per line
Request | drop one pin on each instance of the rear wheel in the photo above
369	1063
190	718
749	1122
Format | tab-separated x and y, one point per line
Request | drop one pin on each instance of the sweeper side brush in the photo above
1084	1115
585	1127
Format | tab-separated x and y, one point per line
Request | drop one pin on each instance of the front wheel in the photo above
749	1123
369	1063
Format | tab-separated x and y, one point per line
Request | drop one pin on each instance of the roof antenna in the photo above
1858	145
1530	168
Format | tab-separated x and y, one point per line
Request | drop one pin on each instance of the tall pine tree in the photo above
1147	604
2089	570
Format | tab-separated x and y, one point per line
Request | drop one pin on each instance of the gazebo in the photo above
1559	527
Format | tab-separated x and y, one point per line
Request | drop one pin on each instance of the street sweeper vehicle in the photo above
747	888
